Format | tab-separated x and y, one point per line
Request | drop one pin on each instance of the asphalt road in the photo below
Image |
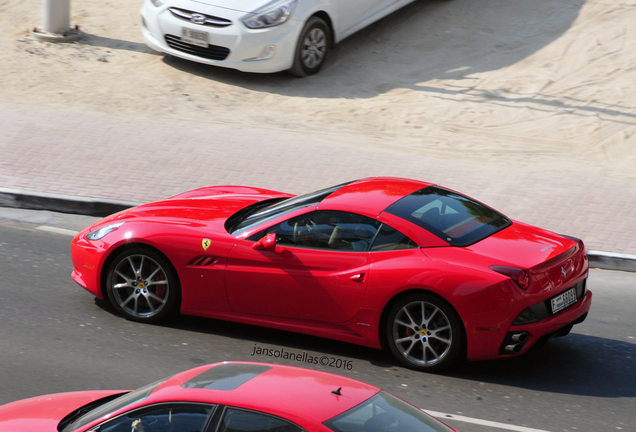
55	337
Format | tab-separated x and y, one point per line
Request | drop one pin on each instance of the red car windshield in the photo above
385	412
452	217
260	214
92	412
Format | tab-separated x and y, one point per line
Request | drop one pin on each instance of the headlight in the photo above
270	15
157	2
98	234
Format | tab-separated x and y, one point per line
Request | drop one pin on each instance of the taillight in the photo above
520	276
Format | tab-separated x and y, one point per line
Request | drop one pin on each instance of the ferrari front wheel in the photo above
142	285
424	333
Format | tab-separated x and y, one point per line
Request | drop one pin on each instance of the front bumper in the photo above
87	260
162	30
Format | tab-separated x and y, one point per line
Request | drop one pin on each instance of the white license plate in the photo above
194	37
564	300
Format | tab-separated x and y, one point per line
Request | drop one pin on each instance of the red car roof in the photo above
371	196
298	394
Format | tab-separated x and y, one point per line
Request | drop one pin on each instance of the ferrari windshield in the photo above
260	215
385	412
452	217
107	408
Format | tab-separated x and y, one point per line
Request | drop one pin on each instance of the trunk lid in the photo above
553	262
522	246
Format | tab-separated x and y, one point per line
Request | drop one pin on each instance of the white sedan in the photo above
258	35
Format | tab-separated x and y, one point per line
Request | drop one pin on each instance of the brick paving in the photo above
138	159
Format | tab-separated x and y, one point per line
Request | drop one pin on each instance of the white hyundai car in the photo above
258	35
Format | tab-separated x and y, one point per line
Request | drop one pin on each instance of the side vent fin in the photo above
203	261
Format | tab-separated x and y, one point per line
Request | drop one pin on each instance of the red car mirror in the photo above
267	242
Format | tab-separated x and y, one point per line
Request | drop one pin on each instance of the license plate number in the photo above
194	37
563	300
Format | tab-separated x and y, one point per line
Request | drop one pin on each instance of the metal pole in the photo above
57	15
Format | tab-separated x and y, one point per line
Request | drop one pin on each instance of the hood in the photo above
246	6
44	413
198	206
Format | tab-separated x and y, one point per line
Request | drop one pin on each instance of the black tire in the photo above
142	285
424	333
312	48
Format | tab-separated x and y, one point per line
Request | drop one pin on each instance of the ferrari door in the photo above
317	271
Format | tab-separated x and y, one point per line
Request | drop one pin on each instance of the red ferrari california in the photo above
225	397
429	273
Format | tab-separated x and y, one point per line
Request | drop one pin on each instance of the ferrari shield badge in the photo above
206	243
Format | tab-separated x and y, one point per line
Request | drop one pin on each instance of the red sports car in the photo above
431	274
225	397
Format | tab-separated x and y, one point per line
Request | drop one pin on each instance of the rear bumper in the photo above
557	325
494	342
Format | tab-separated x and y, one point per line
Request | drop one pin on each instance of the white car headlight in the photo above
98	234
270	15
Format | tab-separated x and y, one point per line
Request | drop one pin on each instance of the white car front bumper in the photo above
234	46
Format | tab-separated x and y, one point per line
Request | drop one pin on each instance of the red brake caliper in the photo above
160	290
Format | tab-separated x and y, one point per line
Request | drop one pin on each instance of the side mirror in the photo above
267	242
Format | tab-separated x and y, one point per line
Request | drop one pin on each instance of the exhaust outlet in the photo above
514	348
519	337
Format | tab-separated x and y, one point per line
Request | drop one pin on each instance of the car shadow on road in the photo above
576	364
424	41
275	339
269	338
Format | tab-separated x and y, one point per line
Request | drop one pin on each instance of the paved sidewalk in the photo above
102	158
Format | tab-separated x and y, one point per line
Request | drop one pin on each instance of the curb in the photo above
612	261
14	198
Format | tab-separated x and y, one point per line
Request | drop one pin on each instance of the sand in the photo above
545	86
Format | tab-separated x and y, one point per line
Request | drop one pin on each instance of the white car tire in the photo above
312	48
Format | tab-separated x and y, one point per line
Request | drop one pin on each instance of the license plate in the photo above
563	300
194	37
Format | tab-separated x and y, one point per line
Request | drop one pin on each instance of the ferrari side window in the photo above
161	418
238	420
334	230
391	239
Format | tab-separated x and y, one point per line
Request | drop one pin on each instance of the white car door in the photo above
356	14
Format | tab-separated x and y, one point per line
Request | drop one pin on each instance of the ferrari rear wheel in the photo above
142	285
424	333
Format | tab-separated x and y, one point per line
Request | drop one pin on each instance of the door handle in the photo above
358	277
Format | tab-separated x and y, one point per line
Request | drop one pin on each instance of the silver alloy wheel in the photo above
314	48
422	333
140	286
